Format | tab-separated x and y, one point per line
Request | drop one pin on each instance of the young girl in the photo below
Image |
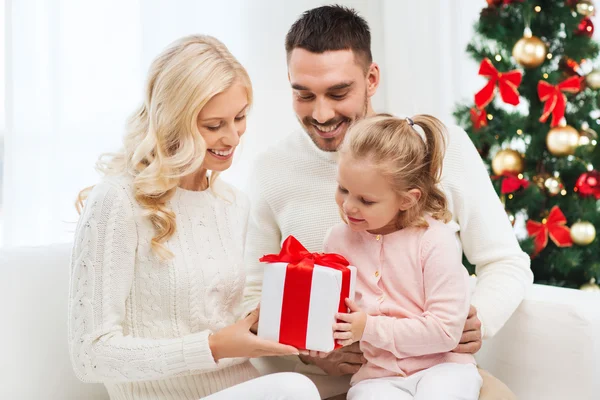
412	289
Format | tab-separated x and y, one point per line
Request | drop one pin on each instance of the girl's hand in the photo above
353	326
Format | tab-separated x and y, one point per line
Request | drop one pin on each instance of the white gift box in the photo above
324	303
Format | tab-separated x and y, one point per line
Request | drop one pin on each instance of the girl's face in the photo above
222	122
366	198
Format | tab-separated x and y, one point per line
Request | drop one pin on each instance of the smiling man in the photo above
333	77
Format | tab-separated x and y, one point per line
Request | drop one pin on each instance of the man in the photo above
333	78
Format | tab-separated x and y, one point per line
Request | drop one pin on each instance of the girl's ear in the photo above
410	199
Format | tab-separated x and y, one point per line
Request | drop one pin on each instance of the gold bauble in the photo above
593	79
540	180
591	286
587	136
585	7
530	51
553	185
562	140
583	233
507	160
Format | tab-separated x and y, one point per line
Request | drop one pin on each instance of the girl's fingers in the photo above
352	305
344	317
342	326
347	342
342	335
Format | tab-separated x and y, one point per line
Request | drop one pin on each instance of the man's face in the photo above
331	91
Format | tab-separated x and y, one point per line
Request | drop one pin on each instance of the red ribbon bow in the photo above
554	226
478	118
556	101
297	287
511	183
507	82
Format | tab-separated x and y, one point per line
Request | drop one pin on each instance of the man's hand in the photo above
344	361
470	341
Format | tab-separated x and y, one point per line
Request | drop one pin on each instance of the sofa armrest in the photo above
550	347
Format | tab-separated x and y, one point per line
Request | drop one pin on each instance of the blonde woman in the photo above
156	271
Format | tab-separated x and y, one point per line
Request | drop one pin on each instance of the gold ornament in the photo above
583	233
562	140
553	185
587	135
540	180
530	51
593	79
585	7
591	286
507	160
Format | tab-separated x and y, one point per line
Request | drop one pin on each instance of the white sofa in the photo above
550	348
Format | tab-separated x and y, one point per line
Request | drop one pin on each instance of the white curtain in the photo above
76	70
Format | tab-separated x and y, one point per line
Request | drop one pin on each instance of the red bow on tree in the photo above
556	101
507	82
478	118
511	183
553	226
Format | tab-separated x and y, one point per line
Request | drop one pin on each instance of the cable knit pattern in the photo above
140	325
294	195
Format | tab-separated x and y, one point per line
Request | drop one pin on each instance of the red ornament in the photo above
512	183
588	184
571	3
553	227
585	27
570	66
478	118
556	101
507	82
494	3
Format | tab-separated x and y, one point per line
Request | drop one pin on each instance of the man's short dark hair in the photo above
331	28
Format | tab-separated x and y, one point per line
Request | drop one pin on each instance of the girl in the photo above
157	268
412	289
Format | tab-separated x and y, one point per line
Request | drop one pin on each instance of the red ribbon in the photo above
556	101
554	226
507	82
297	287
478	118
511	183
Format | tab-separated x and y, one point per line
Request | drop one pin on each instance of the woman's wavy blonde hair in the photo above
406	159
163	143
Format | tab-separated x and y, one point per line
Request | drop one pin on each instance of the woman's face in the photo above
222	122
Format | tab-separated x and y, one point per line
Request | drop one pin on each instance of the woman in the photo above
156	270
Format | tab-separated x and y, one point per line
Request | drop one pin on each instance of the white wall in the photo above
426	67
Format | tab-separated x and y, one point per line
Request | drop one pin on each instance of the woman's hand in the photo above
237	341
353	326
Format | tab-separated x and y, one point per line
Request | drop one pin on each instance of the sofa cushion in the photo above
34	361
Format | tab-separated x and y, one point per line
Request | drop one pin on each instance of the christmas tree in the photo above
534	124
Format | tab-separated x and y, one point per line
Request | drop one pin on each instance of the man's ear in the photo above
410	199
373	78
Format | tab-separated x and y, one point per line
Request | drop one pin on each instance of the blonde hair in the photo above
406	158
163	143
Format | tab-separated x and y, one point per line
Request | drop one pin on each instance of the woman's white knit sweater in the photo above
141	326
